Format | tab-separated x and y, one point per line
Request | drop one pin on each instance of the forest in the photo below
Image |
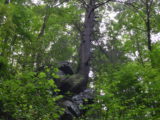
79	60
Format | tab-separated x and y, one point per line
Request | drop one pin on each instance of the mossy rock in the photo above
71	83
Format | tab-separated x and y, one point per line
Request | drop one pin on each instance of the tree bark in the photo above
148	25
86	38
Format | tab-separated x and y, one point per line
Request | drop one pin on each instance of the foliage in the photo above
126	76
30	97
130	93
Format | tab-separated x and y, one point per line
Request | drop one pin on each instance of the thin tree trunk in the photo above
42	31
140	53
4	47
6	37
148	25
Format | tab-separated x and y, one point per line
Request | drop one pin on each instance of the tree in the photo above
87	37
36	38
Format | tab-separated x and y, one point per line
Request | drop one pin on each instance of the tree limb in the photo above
151	3
135	9
101	4
43	26
84	3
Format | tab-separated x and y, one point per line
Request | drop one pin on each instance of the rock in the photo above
66	68
71	83
73	107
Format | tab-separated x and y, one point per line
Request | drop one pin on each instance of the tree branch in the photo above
151	3
43	26
143	2
101	4
78	27
135	9
84	3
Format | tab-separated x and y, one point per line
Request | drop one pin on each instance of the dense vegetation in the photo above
121	52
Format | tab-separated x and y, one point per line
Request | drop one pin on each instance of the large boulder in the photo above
71	83
73	106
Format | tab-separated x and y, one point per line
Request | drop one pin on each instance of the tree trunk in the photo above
38	59
148	24
7	1
86	38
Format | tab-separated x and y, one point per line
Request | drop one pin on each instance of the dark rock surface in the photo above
69	81
73	107
66	68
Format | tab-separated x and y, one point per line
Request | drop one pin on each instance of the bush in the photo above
29	96
130	93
